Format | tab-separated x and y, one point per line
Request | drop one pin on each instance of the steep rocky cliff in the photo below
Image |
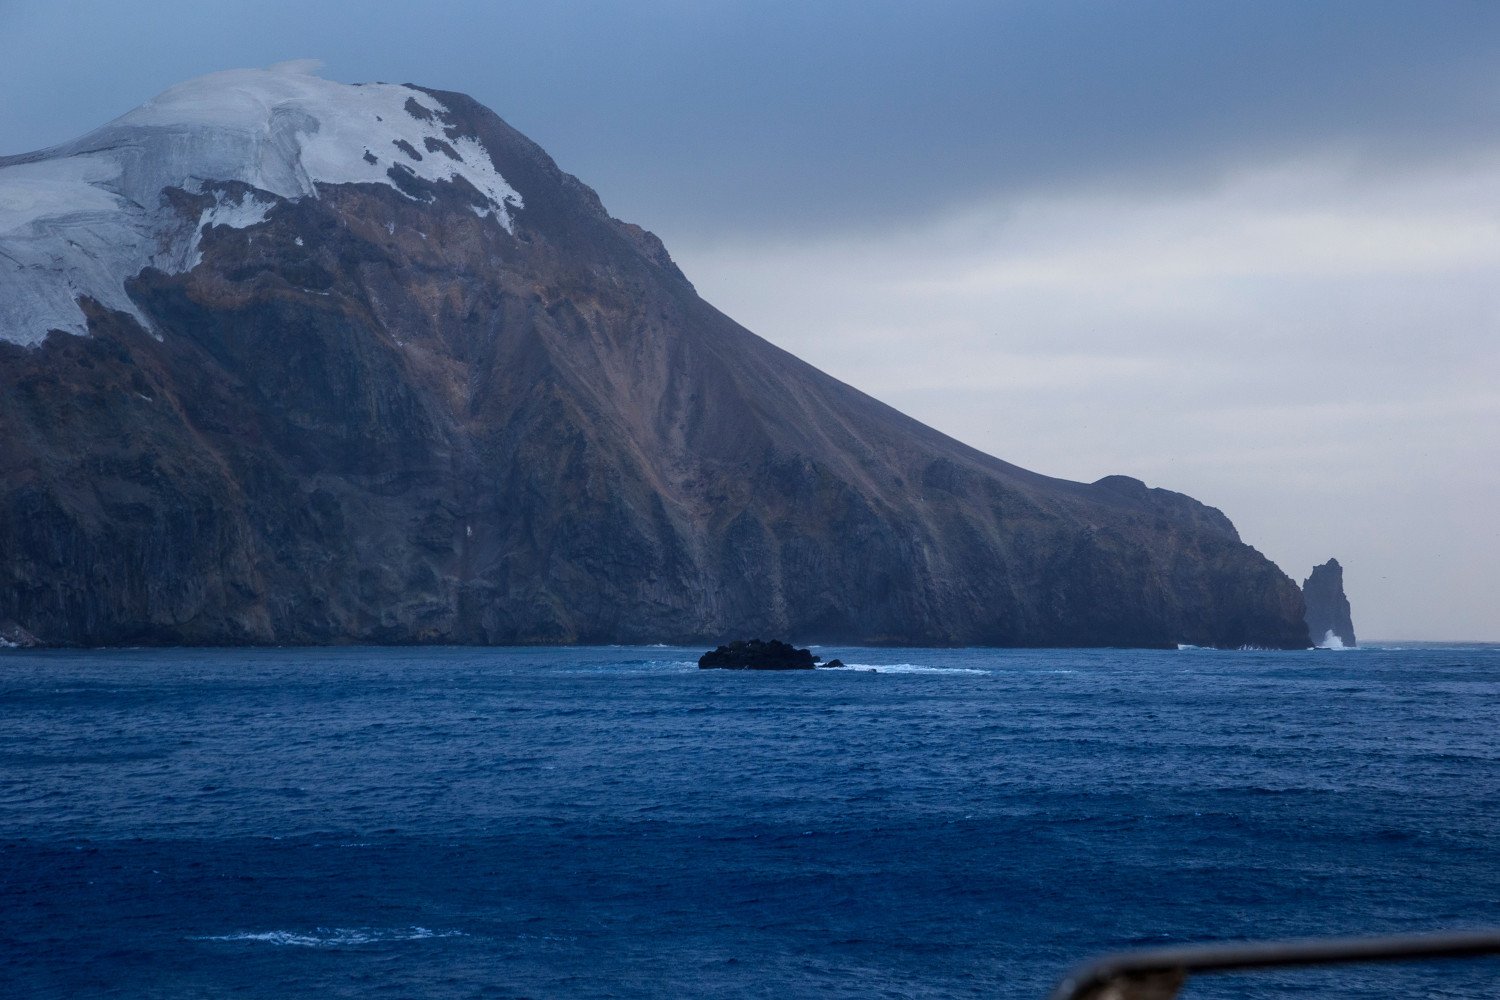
287	361
1328	617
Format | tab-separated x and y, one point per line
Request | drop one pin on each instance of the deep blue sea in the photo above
581	823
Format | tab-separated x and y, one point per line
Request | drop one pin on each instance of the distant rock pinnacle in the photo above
1328	619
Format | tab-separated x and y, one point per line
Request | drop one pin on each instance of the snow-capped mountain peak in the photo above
81	218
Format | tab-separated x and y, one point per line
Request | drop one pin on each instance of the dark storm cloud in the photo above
848	108
795	117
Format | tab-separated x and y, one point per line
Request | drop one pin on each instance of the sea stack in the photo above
1328	619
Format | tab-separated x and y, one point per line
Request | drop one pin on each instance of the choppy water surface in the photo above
616	823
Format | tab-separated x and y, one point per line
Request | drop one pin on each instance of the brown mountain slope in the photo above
378	415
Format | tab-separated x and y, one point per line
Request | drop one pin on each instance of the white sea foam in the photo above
904	668
1331	641
640	666
332	937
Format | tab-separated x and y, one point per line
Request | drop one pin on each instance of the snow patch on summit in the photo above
237	212
81	218
300	130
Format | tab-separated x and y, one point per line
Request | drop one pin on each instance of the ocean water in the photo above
582	823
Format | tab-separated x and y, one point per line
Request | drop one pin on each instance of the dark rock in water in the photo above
754	654
13	636
831	664
393	403
1328	617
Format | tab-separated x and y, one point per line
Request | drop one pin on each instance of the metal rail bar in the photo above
1158	973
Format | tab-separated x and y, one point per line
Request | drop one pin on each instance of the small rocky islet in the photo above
755	654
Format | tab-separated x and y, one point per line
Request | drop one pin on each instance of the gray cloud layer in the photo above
1243	250
792	116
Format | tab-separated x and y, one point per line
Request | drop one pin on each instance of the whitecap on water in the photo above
904	668
637	666
332	937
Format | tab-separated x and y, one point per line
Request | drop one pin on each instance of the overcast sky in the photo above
1250	252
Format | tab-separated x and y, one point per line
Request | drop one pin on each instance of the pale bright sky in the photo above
1244	251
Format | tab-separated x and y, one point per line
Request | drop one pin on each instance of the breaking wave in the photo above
1331	641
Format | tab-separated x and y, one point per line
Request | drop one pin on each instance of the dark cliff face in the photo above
378	416
1328	615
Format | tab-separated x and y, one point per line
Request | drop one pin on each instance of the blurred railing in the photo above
1159	973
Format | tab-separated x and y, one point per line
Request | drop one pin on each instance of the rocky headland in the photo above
289	361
